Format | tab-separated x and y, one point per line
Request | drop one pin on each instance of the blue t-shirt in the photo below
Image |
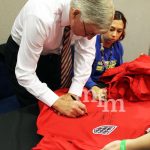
112	57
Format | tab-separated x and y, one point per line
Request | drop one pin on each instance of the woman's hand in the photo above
99	93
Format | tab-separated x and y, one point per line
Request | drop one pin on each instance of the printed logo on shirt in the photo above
109	64
104	130
112	64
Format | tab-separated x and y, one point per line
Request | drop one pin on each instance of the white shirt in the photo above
38	30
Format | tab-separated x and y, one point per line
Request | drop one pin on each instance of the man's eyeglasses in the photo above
85	32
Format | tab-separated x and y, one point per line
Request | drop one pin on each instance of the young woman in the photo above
109	53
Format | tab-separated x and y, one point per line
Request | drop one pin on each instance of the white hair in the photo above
98	12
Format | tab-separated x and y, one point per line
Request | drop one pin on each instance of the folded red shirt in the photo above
130	81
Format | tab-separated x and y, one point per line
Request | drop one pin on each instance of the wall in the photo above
136	11
137	38
8	11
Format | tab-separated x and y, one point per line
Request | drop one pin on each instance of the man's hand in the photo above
99	93
68	106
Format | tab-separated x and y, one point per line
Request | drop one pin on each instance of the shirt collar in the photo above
65	13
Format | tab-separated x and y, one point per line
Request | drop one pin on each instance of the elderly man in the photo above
37	42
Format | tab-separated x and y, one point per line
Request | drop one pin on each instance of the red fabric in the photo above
130	81
63	133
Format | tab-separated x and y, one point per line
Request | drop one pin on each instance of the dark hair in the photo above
120	16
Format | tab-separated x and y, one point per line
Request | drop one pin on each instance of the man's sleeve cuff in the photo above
49	98
76	89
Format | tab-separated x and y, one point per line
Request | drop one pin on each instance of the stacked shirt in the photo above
130	81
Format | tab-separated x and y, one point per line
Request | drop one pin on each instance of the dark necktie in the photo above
66	59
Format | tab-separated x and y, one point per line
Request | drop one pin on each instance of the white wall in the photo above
8	11
137	13
137	38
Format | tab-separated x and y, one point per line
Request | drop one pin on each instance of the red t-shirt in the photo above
103	124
